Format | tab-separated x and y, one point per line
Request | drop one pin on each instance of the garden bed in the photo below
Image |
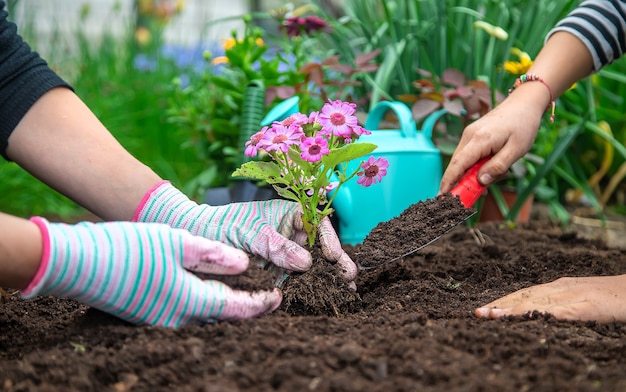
410	328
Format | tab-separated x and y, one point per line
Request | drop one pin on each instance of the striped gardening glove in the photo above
138	272
271	229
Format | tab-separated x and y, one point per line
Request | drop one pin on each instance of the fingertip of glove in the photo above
237	259
350	270
275	299
298	259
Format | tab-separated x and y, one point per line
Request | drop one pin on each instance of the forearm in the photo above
563	61
20	251
61	142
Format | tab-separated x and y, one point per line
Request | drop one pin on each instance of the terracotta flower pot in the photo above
490	211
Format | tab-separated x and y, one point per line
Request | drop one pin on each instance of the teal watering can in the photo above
414	173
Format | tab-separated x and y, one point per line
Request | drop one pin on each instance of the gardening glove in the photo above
272	229
138	272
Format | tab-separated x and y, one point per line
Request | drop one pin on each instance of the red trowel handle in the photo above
469	189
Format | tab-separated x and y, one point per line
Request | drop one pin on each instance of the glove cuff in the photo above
35	285
164	203
146	201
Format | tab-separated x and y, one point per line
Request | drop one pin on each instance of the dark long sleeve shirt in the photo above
24	78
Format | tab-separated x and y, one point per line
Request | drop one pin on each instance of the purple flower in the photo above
280	137
373	171
295	26
338	118
313	148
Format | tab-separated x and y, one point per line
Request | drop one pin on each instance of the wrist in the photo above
20	251
534	97
536	79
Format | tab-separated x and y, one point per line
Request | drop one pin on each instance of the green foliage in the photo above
23	195
437	35
424	42
210	109
130	101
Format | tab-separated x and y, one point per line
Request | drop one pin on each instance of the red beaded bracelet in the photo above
532	78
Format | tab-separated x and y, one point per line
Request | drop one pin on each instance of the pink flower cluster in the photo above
314	136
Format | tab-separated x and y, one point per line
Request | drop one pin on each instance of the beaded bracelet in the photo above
532	78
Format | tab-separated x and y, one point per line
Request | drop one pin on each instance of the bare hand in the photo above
601	298
507	133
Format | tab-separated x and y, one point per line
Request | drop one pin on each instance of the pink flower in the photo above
332	185
338	118
359	131
295	119
373	171
252	144
314	117
280	137
313	148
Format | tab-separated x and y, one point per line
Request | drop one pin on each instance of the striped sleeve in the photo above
601	26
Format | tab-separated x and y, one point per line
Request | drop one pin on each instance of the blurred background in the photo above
169	79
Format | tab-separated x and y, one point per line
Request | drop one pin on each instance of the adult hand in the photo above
138	272
599	298
272	229
507	133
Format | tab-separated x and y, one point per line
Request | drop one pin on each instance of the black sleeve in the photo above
24	78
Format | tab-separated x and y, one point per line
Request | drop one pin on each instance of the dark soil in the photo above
416	227
410	327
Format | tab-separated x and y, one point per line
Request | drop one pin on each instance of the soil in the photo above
409	327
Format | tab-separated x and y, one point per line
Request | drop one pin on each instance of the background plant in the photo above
129	94
424	42
438	35
284	60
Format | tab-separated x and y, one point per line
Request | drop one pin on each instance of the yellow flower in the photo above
230	42
219	60
143	36
518	67
180	4
304	9
494	31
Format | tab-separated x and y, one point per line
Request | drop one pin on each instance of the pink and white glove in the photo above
271	229
138	272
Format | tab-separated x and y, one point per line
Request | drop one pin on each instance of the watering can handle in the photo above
431	120
405	117
468	189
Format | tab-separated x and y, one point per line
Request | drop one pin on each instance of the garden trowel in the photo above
437	217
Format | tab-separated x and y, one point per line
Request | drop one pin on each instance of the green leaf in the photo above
286	193
557	153
294	155
267	171
224	83
347	153
386	72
